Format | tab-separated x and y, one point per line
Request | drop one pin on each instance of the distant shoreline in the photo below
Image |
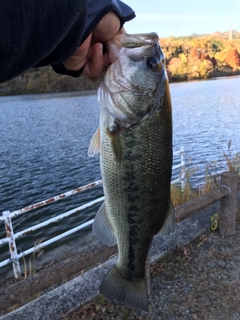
85	92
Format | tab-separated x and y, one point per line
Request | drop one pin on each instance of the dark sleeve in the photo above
37	33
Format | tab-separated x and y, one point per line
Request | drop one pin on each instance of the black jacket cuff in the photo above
98	9
59	68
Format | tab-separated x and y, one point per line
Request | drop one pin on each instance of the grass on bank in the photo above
233	161
181	195
212	180
28	267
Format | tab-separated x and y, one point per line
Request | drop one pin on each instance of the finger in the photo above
107	28
79	58
106	60
96	63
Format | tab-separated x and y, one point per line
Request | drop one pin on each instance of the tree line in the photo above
187	58
44	80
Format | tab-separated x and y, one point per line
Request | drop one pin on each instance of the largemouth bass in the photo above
135	144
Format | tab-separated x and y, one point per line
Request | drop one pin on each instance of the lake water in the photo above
44	141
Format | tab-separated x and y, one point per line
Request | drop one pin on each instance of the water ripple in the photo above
44	141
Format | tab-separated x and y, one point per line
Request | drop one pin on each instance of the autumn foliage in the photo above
203	57
233	58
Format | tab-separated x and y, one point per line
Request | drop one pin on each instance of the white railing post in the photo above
183	172
12	244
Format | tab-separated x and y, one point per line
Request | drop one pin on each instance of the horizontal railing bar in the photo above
67	194
5	262
187	209
4	241
50	241
176	153
176	180
181	212
177	166
54	199
56	219
40	204
63	195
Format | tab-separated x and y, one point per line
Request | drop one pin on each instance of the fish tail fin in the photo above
131	293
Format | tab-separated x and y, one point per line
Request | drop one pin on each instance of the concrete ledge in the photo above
71	295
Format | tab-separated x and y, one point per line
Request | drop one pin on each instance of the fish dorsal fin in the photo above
169	223
113	133
94	147
102	227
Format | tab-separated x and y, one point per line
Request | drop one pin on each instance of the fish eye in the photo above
152	62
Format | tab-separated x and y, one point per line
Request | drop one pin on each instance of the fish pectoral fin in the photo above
113	133
169	223
94	147
115	287
117	149
102	227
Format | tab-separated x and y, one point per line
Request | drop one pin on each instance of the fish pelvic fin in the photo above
130	293
94	147
169	223
102	227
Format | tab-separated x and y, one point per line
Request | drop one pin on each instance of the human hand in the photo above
90	53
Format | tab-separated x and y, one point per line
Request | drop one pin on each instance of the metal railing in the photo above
11	237
181	166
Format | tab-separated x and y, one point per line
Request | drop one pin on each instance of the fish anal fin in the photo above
94	147
130	293
113	133
169	223
102	227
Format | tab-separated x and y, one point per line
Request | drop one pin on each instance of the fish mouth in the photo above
138	41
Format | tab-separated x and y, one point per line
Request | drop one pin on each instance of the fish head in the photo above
134	84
